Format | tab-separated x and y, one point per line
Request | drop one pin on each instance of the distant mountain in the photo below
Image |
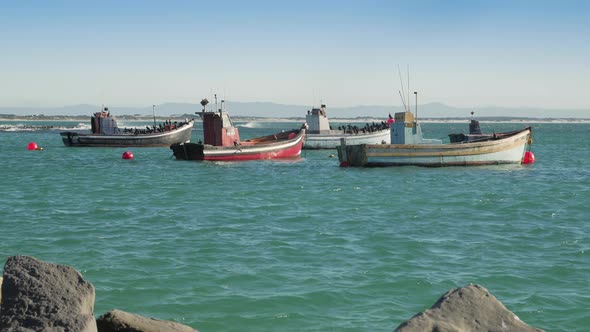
267	109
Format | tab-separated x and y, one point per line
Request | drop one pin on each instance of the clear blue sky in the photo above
345	53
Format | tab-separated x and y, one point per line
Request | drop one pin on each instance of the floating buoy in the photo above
32	146
344	164
127	155
331	156
529	158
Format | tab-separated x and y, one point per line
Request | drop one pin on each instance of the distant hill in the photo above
272	110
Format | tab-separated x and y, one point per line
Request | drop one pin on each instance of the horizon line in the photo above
304	105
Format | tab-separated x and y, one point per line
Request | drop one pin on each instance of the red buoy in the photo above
529	158
344	164
32	146
127	155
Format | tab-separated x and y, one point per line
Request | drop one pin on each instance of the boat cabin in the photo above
317	121
218	129
407	130
103	123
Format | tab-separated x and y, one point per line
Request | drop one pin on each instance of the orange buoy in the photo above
127	155
32	146
529	158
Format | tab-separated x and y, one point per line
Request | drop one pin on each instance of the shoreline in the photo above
271	119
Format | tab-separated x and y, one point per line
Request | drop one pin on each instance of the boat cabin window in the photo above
226	120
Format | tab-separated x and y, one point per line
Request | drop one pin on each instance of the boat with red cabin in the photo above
222	141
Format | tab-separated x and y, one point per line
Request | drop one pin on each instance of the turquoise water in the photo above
305	245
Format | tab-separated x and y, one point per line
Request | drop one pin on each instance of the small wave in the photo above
24	127
34	127
11	128
80	126
250	125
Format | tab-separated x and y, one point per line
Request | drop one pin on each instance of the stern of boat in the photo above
188	151
70	138
352	155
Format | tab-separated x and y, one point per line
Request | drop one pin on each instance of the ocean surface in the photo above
303	245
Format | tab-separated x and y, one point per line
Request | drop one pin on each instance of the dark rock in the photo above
40	296
121	321
471	308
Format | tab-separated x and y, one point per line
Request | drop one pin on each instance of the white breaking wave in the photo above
81	126
38	127
249	125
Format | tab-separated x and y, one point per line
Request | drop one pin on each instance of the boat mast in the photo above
403	92
403	101
154	113
409	102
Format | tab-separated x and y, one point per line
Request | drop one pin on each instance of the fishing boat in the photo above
106	133
222	141
320	135
408	147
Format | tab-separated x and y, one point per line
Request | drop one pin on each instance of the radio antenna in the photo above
403	92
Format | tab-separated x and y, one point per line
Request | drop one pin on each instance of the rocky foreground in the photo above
40	296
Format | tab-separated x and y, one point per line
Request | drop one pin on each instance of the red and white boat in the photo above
222	142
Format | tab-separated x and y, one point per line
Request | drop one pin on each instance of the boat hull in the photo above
285	145
332	140
182	134
509	149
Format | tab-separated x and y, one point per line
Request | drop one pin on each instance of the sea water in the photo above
304	245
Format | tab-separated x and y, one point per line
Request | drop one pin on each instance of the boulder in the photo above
121	321
470	308
40	296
